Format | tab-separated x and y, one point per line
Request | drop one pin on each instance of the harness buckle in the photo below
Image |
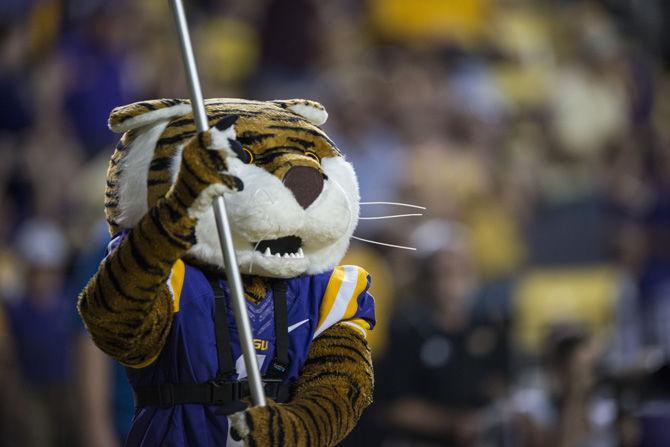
224	391
277	370
271	387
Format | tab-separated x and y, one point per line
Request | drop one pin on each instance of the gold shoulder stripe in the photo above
361	282
340	301
332	290
176	283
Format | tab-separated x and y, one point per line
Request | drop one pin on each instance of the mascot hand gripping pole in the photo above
160	304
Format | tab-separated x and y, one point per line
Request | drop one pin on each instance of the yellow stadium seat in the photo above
586	295
431	20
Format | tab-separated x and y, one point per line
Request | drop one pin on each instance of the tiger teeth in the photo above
299	255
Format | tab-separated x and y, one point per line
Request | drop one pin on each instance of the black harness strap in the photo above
279	364
210	393
221	334
222	390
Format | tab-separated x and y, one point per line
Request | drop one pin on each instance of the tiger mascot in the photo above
159	302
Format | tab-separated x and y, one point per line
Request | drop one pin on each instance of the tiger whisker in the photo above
383	243
409	205
251	264
391	216
346	198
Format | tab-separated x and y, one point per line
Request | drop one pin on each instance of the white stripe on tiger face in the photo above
133	175
149	117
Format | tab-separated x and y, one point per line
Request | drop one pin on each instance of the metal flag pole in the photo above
222	224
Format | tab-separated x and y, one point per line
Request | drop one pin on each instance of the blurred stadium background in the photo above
536	311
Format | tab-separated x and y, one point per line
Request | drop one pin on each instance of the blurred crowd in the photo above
535	310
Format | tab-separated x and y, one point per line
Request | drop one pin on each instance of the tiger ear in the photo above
312	111
138	114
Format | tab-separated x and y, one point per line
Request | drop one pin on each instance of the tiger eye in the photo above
249	159
244	154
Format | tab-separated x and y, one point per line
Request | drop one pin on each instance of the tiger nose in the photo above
305	183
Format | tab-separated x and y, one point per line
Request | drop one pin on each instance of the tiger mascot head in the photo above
299	204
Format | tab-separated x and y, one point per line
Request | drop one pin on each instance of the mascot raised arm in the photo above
159	302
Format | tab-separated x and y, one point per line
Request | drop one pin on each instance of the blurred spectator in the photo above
565	411
15	108
106	396
438	383
16	412
95	61
43	325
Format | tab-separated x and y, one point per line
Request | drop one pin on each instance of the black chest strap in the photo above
223	390
221	331
279	365
228	394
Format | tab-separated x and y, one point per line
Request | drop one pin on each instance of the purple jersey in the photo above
314	304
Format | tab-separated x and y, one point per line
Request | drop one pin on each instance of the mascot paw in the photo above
263	425
203	172
203	203
239	428
222	137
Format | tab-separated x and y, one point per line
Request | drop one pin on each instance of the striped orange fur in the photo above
334	388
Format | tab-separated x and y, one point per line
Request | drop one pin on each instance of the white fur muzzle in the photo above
267	210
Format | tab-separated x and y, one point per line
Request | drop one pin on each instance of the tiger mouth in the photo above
288	247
